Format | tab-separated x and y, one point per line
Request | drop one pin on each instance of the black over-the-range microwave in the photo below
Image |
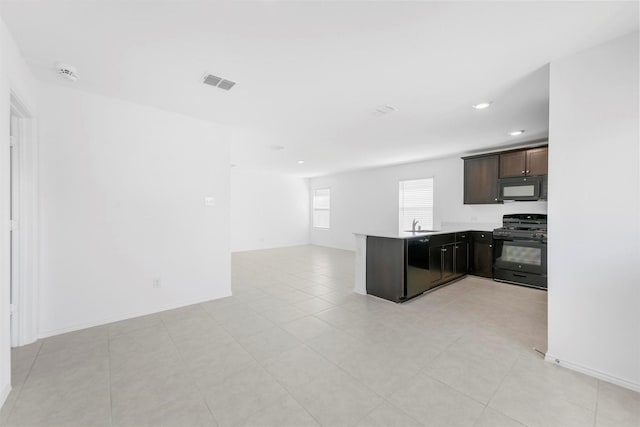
522	188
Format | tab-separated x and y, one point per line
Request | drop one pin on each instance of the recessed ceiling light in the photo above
516	132
300	162
482	105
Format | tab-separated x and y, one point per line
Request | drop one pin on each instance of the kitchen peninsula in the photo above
398	267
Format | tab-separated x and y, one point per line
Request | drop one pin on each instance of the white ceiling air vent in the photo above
383	110
67	71
219	82
210	79
226	84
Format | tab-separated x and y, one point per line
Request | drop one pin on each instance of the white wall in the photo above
14	77
367	201
122	203
268	211
594	199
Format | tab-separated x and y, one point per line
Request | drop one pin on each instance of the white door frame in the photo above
25	245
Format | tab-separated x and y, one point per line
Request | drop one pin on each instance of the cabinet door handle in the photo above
490	246
527	171
443	250
496	199
523	172
482	235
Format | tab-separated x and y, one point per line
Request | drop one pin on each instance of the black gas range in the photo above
523	227
520	250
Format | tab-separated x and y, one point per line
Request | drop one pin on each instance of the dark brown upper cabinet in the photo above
538	161
481	179
524	162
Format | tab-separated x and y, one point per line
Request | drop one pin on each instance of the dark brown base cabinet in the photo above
481	253
461	257
400	269
386	268
448	258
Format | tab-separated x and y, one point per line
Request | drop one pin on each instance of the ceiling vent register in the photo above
219	82
67	71
383	110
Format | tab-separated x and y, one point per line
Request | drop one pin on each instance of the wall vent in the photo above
219	82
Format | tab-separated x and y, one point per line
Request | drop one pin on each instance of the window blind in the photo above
416	202
321	208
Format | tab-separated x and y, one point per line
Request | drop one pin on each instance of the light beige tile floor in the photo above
295	347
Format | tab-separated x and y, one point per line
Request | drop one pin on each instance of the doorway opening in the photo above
23	219
13	229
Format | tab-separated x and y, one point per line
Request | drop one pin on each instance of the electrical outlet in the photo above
156	283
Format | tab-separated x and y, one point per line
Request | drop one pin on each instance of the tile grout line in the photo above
515	362
335	365
33	362
302	343
595	412
269	373
109	370
233	337
292	396
195	383
356	380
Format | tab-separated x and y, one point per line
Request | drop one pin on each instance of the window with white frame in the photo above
321	208
416	203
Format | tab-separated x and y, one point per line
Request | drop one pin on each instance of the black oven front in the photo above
521	262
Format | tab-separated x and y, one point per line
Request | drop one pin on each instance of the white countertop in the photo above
410	235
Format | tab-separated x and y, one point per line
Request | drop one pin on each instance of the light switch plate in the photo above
209	201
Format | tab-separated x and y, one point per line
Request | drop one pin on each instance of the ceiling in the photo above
310	75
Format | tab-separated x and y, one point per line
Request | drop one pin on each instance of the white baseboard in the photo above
4	394
592	372
266	246
117	318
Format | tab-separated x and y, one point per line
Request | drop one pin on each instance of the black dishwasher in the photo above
417	267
